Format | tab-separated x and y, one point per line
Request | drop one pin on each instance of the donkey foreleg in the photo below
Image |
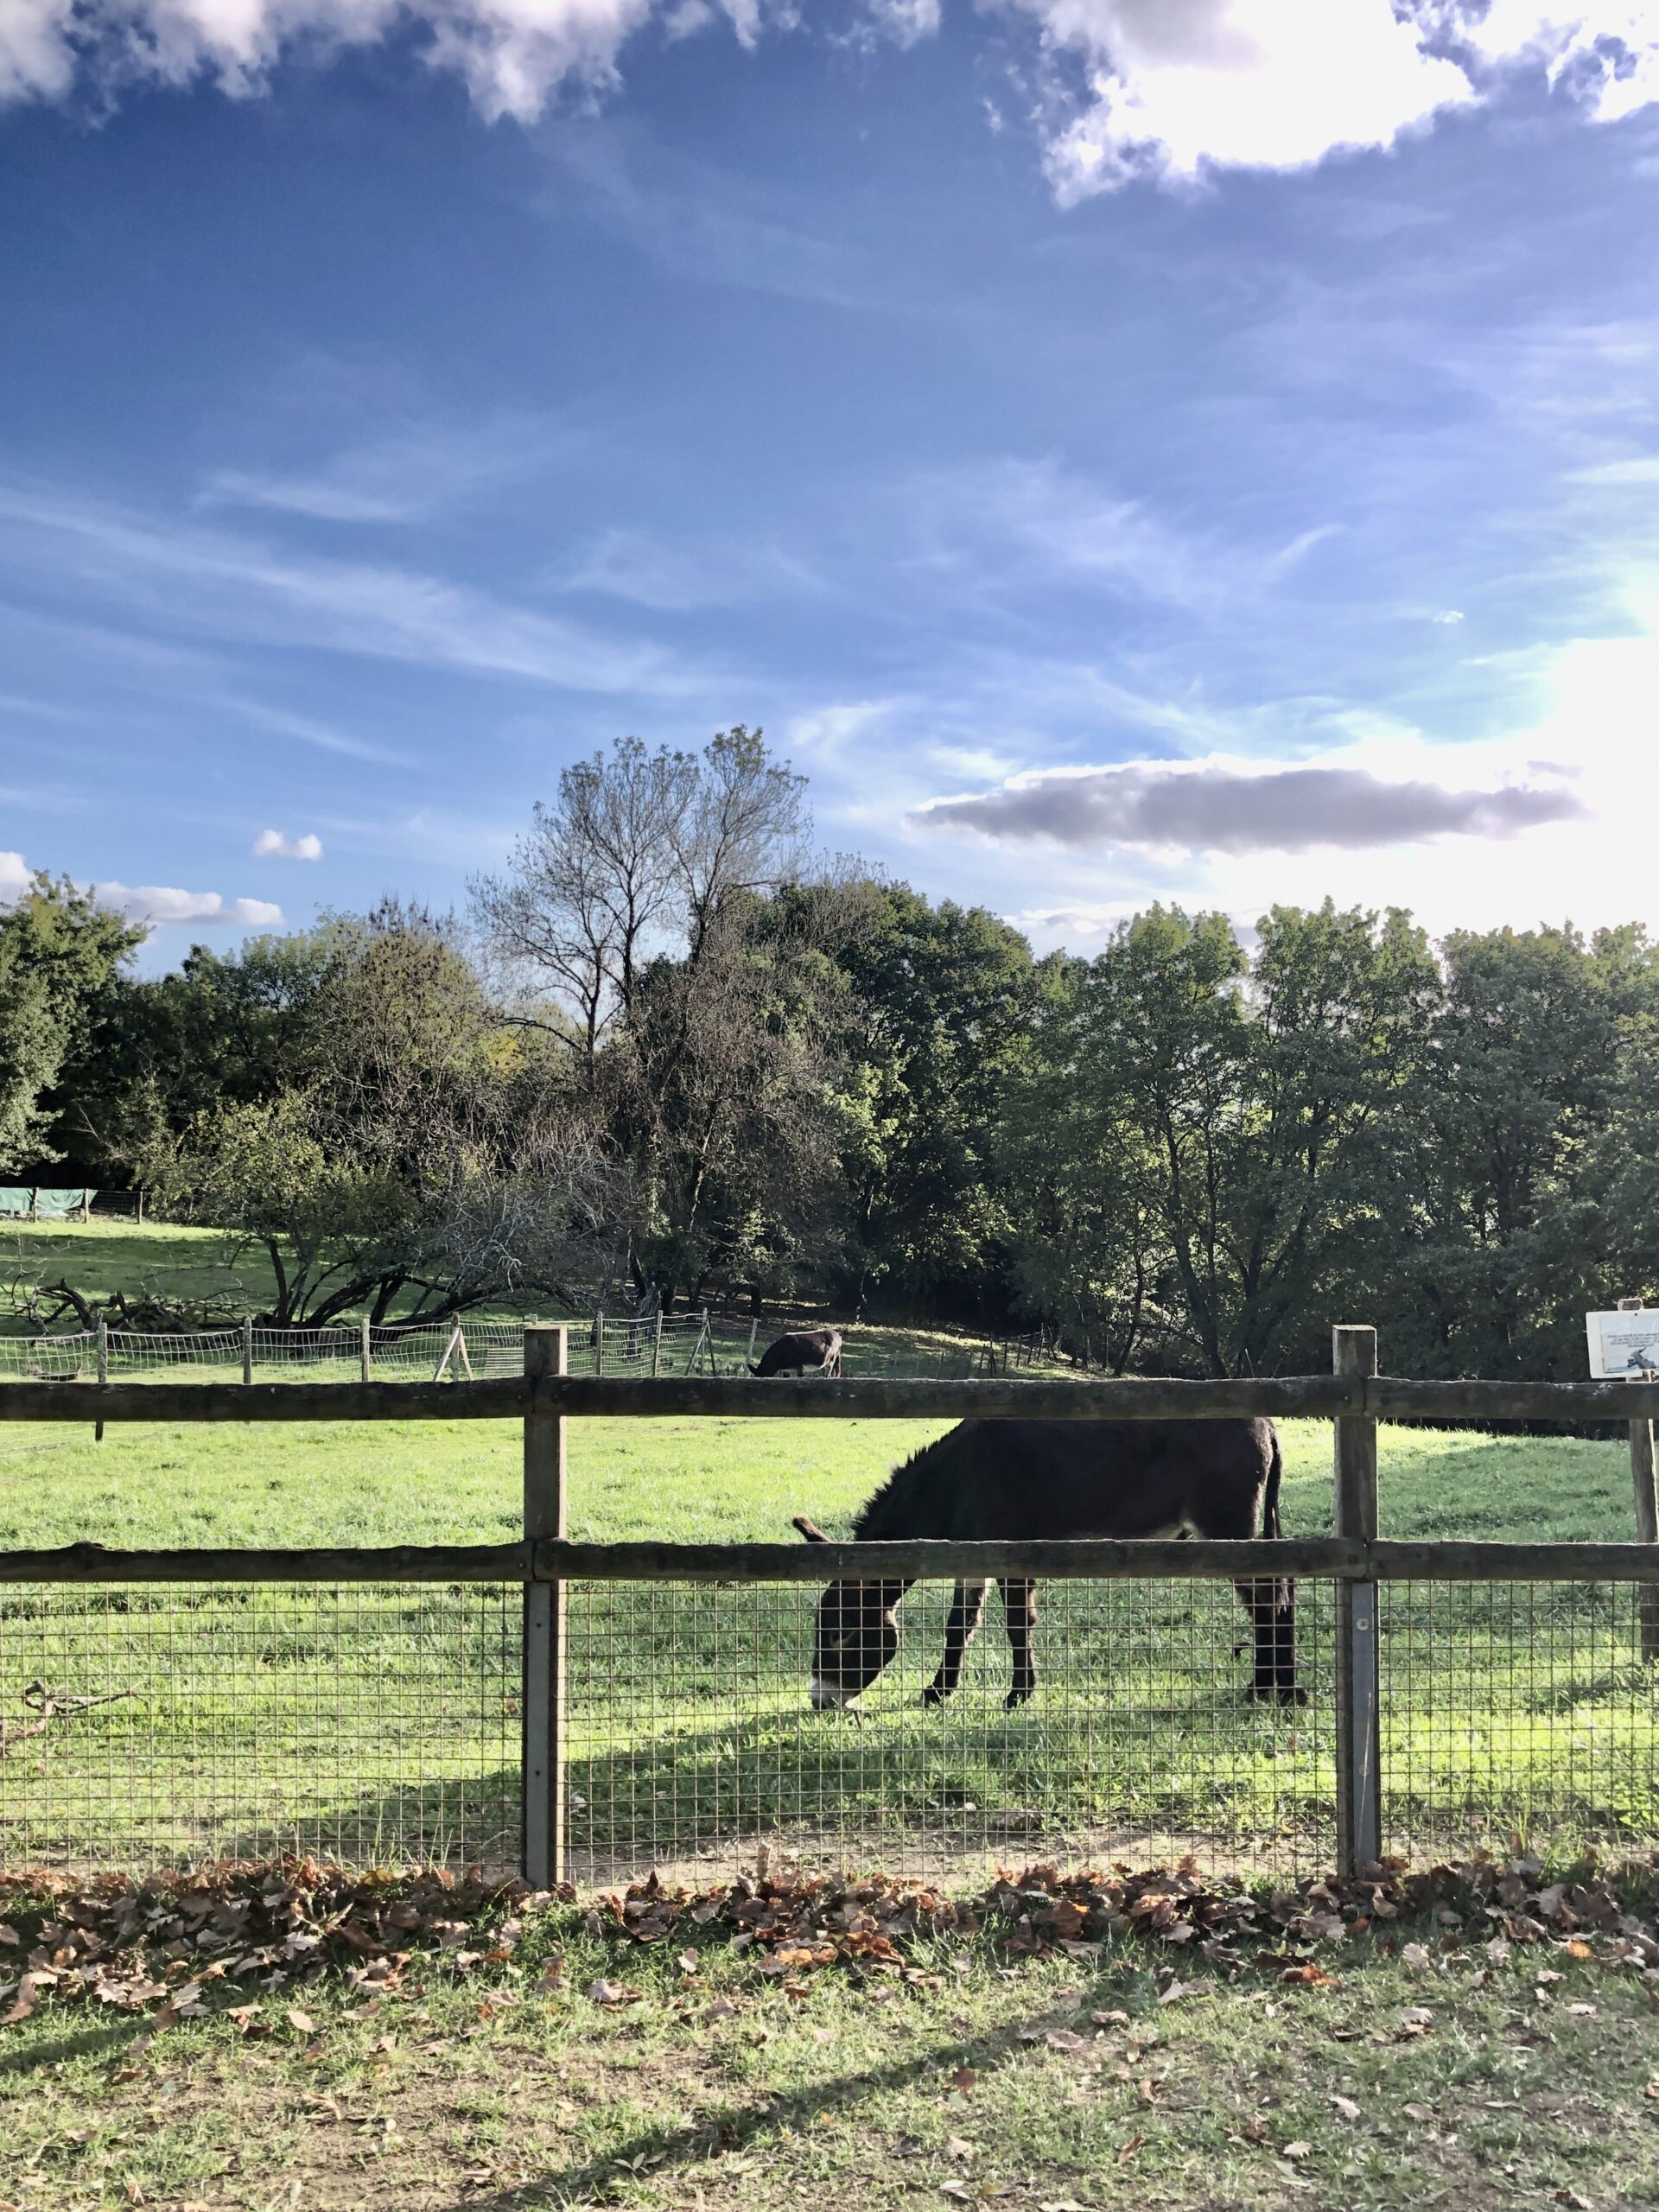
1019	1611
1272	1608
966	1608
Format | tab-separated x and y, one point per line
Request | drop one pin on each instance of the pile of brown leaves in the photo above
164	1947
798	1921
161	1946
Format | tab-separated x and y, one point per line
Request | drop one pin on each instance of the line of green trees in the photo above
667	1053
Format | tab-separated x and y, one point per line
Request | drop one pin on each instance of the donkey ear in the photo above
810	1530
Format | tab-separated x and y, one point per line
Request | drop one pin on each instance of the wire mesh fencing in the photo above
691	1738
1517	1708
152	1724
379	1724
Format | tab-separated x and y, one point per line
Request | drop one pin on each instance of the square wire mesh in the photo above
691	1738
1517	1708
373	1725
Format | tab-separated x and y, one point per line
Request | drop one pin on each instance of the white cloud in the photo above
1177	89
154	904
1447	618
1174	87
158	904
271	845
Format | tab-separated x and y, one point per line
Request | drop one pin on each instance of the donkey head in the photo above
854	1635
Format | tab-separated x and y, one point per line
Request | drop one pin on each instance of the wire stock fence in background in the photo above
653	1345
153	1723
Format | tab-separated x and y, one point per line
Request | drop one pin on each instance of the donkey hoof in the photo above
1292	1694
1017	1696
934	1696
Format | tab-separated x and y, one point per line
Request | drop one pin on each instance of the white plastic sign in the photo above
1623	1343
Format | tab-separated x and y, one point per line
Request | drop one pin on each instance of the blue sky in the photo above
1203	449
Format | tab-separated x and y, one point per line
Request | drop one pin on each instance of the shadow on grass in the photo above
657	2149
85	2043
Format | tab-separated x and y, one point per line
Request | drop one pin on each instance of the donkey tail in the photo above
1270	1502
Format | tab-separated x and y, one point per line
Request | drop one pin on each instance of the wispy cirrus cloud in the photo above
407	478
1012	520
241	588
669	577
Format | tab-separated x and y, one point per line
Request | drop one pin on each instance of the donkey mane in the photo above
889	1512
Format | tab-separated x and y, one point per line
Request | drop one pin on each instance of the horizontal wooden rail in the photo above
886	1398
1389	1397
505	1398
553	1560
388	1563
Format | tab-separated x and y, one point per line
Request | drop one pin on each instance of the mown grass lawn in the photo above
1037	2086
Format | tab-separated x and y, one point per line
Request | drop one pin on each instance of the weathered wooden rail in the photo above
1286	1398
545	1561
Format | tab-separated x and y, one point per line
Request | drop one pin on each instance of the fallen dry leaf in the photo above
1130	2149
1414	1956
1577	1949
1346	2108
1572	2196
613	1993
1179	1989
1299	2149
958	2147
301	2023
1065	2039
963	2081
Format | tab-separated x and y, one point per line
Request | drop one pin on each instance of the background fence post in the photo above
657	1344
103	1371
545	1355
1359	1803
247	1347
368	1351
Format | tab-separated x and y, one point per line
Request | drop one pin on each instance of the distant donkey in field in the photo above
1006	1480
802	1351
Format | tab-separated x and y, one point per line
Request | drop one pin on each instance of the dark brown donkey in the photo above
994	1480
817	1351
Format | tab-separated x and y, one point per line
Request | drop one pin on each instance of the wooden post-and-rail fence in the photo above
1354	1398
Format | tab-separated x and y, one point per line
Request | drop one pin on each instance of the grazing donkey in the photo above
817	1351
1013	1479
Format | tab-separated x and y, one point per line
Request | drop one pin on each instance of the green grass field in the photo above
382	1724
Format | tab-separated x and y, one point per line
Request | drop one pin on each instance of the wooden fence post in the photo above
657	1345
367	1352
247	1347
1359	1750
1647	1514
599	1342
754	1329
544	1703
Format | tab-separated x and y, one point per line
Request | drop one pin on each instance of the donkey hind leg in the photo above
1019	1610
966	1608
1271	1605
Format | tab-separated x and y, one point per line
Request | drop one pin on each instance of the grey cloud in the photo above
1218	809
